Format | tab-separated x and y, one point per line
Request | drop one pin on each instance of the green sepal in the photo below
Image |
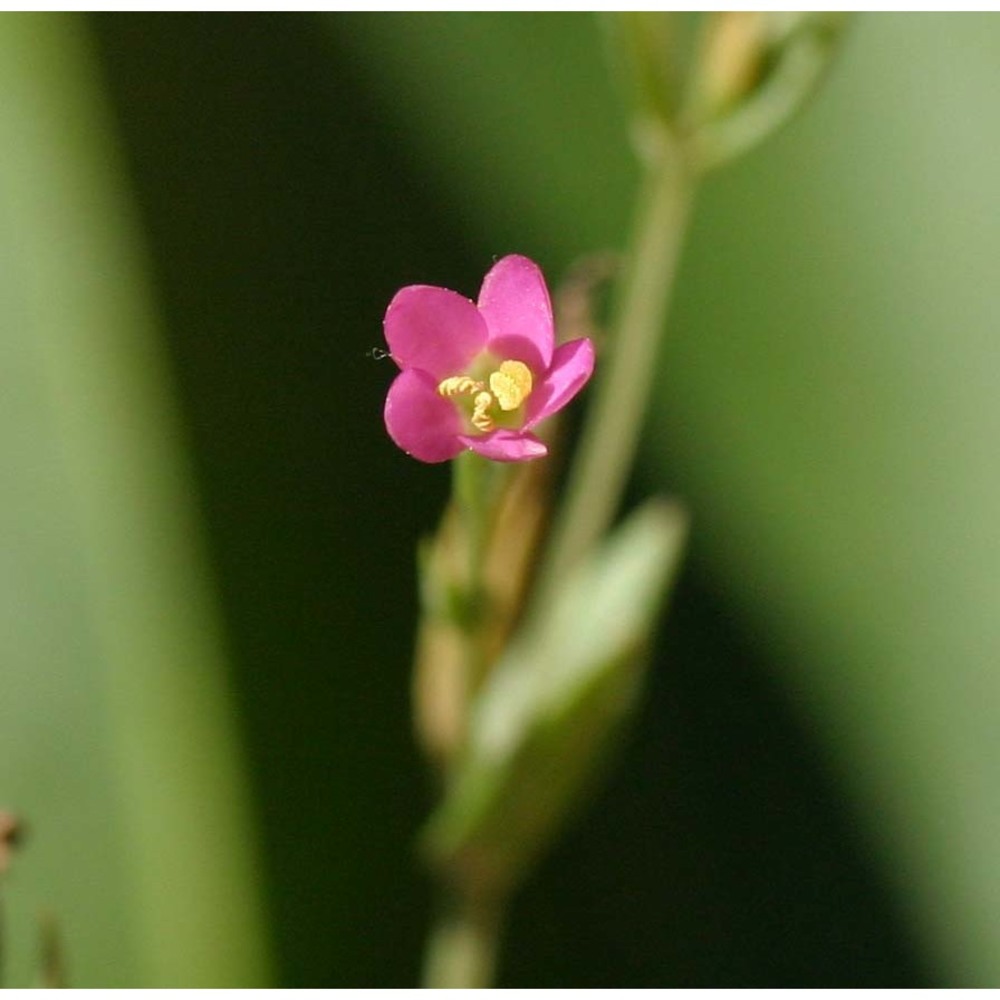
546	716
797	50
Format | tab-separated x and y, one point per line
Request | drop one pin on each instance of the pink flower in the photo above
479	375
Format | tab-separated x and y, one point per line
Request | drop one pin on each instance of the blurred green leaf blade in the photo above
117	739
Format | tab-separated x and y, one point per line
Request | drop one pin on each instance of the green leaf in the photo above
548	712
117	741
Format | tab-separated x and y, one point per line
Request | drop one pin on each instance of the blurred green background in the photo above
207	572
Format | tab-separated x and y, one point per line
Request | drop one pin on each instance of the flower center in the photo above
509	386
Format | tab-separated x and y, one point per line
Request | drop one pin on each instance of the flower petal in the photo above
421	422
572	366
506	446
518	312
434	329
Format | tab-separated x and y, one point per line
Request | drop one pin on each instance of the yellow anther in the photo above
511	384
459	385
481	418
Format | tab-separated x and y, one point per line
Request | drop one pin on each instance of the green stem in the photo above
614	419
477	488
472	490
462	950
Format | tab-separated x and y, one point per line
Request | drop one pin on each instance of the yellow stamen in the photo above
459	385
511	384
481	418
